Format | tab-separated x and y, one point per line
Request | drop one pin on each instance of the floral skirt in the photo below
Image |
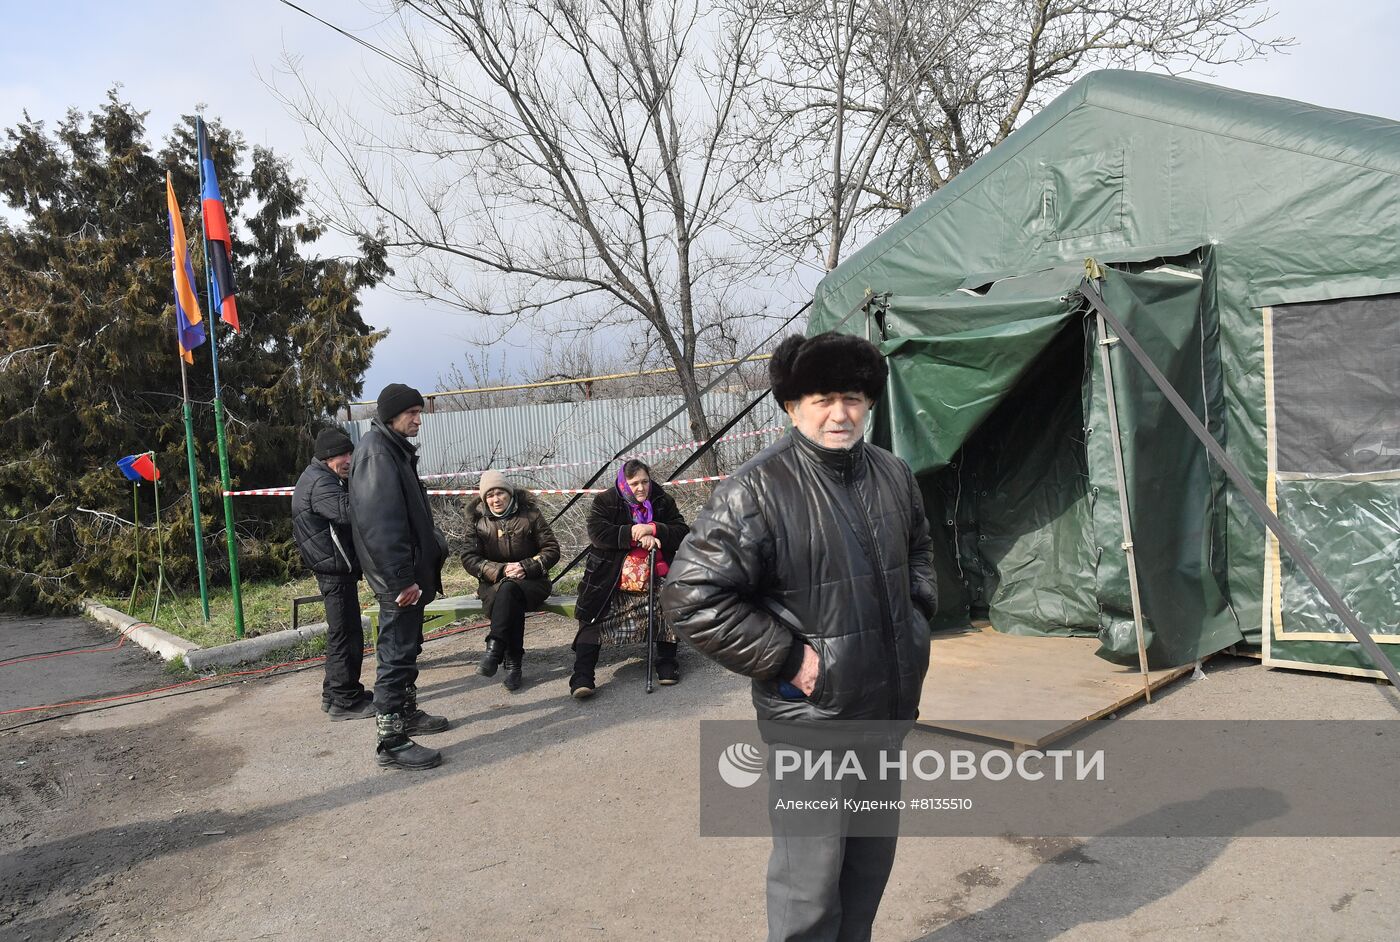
625	621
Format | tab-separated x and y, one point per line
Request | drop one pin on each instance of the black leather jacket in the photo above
815	546
391	518
321	524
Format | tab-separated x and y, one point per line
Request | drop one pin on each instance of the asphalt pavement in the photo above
57	659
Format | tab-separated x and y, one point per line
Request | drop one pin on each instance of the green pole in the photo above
232	538
160	554
194	494
224	478
136	527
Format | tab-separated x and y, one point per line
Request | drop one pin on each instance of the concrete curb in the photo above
196	658
251	649
148	636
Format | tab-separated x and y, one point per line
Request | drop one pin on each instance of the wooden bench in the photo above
440	613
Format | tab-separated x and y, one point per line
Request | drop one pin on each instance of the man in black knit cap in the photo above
809	571
321	527
402	553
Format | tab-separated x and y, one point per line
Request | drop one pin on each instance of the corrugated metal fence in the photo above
590	431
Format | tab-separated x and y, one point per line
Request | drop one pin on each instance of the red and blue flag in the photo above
140	467
218	240
189	323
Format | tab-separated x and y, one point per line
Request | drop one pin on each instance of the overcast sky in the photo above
171	56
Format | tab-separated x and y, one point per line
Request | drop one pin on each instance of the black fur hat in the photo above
826	363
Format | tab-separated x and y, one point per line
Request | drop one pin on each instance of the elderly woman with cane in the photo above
627	523
510	549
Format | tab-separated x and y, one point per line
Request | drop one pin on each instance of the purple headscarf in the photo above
641	510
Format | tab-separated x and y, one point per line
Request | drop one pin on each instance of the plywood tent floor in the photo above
1025	691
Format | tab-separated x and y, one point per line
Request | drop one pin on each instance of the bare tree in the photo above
879	103
586	163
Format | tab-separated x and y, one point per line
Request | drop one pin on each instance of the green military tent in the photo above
1252	246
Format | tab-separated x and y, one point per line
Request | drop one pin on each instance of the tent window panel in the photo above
1083	195
1337	386
1352	530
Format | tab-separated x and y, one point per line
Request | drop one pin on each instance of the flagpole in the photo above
194	492
136	525
224	479
160	552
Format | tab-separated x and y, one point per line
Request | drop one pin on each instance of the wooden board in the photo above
1025	691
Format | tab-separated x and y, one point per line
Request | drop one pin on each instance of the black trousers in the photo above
508	616
400	643
345	642
824	883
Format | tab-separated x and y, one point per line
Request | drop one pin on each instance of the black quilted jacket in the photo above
321	524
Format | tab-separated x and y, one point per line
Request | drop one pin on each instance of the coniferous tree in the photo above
89	369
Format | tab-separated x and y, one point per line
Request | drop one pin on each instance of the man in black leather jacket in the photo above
402	553
321	528
809	571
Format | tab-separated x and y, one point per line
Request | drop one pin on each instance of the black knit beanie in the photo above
396	398
331	442
826	363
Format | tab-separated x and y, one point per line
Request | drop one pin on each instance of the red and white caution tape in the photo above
596	461
471	492
287	491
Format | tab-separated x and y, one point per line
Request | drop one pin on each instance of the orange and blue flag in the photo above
218	241
189	323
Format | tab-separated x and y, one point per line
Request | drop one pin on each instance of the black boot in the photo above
581	684
495	653
512	665
363	709
415	720
397	751
668	669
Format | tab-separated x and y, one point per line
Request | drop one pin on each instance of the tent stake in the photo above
1104	342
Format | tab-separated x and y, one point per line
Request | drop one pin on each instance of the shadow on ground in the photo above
1103	879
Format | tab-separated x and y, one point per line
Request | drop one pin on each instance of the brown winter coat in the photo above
524	537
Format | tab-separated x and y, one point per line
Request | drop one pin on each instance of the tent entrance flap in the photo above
985	404
1018	501
1174	490
1005	425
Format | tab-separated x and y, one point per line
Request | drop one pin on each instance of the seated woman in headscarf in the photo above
625	523
510	549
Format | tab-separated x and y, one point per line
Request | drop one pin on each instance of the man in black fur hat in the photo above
321	528
402	552
809	571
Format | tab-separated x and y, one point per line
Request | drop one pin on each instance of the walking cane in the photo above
651	614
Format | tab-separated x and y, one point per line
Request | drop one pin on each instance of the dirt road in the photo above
241	813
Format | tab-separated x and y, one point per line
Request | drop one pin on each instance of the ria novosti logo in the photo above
741	765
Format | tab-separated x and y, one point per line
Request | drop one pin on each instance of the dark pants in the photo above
400	642
508	616
345	643
824	883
